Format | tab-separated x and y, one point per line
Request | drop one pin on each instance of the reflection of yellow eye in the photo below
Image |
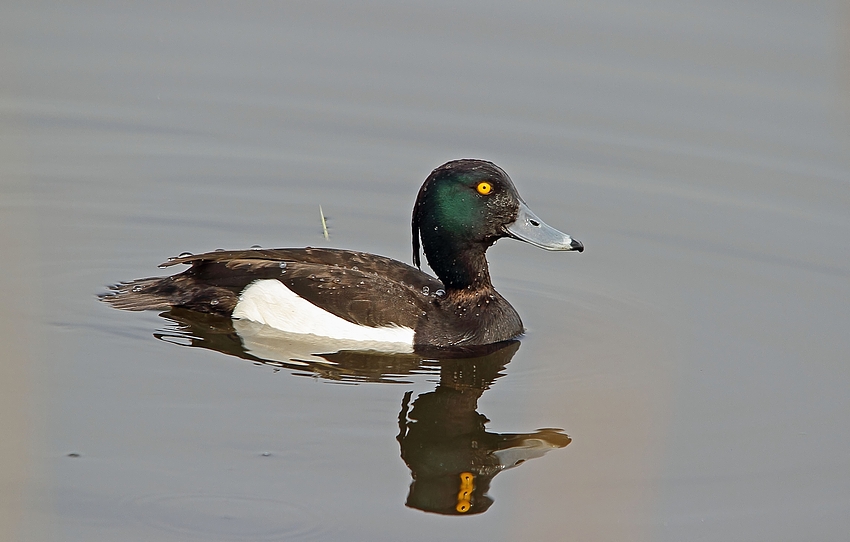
484	188
467	479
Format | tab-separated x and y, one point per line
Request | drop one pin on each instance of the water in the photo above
695	353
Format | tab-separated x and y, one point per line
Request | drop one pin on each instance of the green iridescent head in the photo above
464	207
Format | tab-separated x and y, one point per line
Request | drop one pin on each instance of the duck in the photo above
463	207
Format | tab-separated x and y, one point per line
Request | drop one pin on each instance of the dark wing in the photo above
393	270
362	288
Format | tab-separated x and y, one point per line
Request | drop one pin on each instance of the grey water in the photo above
685	378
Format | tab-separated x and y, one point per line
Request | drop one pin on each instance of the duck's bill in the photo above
527	227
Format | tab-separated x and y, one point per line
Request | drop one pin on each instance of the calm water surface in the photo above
695	353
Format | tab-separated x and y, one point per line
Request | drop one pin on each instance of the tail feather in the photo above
139	295
163	293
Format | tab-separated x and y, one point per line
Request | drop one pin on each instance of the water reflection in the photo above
303	355
451	455
442	436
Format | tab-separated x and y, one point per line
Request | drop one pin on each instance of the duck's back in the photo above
361	288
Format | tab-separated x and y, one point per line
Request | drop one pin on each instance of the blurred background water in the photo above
696	352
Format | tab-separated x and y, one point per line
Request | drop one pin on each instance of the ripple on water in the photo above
225	517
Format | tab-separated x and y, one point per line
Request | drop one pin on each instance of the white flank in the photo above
271	303
529	449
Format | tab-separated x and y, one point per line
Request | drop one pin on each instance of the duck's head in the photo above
464	207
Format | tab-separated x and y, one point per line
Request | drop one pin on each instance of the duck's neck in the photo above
460	268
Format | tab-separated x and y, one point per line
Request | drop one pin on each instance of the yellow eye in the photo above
484	188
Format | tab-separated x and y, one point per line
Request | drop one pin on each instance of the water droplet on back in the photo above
185	255
440	293
282	265
426	290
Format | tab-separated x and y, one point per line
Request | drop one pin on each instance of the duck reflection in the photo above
442	436
303	355
443	439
